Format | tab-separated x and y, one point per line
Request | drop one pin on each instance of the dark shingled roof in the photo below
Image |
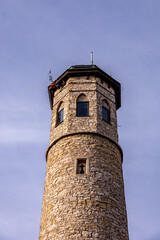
87	70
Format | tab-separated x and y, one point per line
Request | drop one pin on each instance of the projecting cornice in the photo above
87	70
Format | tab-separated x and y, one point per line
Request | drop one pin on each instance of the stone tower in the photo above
84	190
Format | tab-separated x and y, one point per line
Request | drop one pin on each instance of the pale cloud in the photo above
14	135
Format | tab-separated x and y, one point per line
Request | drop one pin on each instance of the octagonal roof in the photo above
87	70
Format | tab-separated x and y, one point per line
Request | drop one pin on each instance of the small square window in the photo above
82	109
105	114
60	116
81	166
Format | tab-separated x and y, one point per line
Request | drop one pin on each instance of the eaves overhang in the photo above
87	70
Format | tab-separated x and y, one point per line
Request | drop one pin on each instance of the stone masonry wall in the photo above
91	205
96	91
88	206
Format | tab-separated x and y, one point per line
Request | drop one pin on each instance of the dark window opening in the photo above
60	116
82	109
105	114
81	166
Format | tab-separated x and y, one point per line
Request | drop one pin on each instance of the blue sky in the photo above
38	35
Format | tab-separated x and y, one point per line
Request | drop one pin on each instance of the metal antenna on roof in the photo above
50	75
91	58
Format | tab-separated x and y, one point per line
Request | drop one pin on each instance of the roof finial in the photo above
50	75
91	58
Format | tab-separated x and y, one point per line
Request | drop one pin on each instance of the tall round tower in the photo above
84	190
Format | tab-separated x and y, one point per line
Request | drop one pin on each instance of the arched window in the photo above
105	111
82	106
60	113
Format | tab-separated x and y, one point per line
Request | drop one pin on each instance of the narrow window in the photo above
81	166
105	111
82	106
60	114
82	109
105	114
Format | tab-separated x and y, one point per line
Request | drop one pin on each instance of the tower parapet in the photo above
84	190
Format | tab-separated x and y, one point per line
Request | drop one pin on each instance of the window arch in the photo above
105	111
60	113
82	106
